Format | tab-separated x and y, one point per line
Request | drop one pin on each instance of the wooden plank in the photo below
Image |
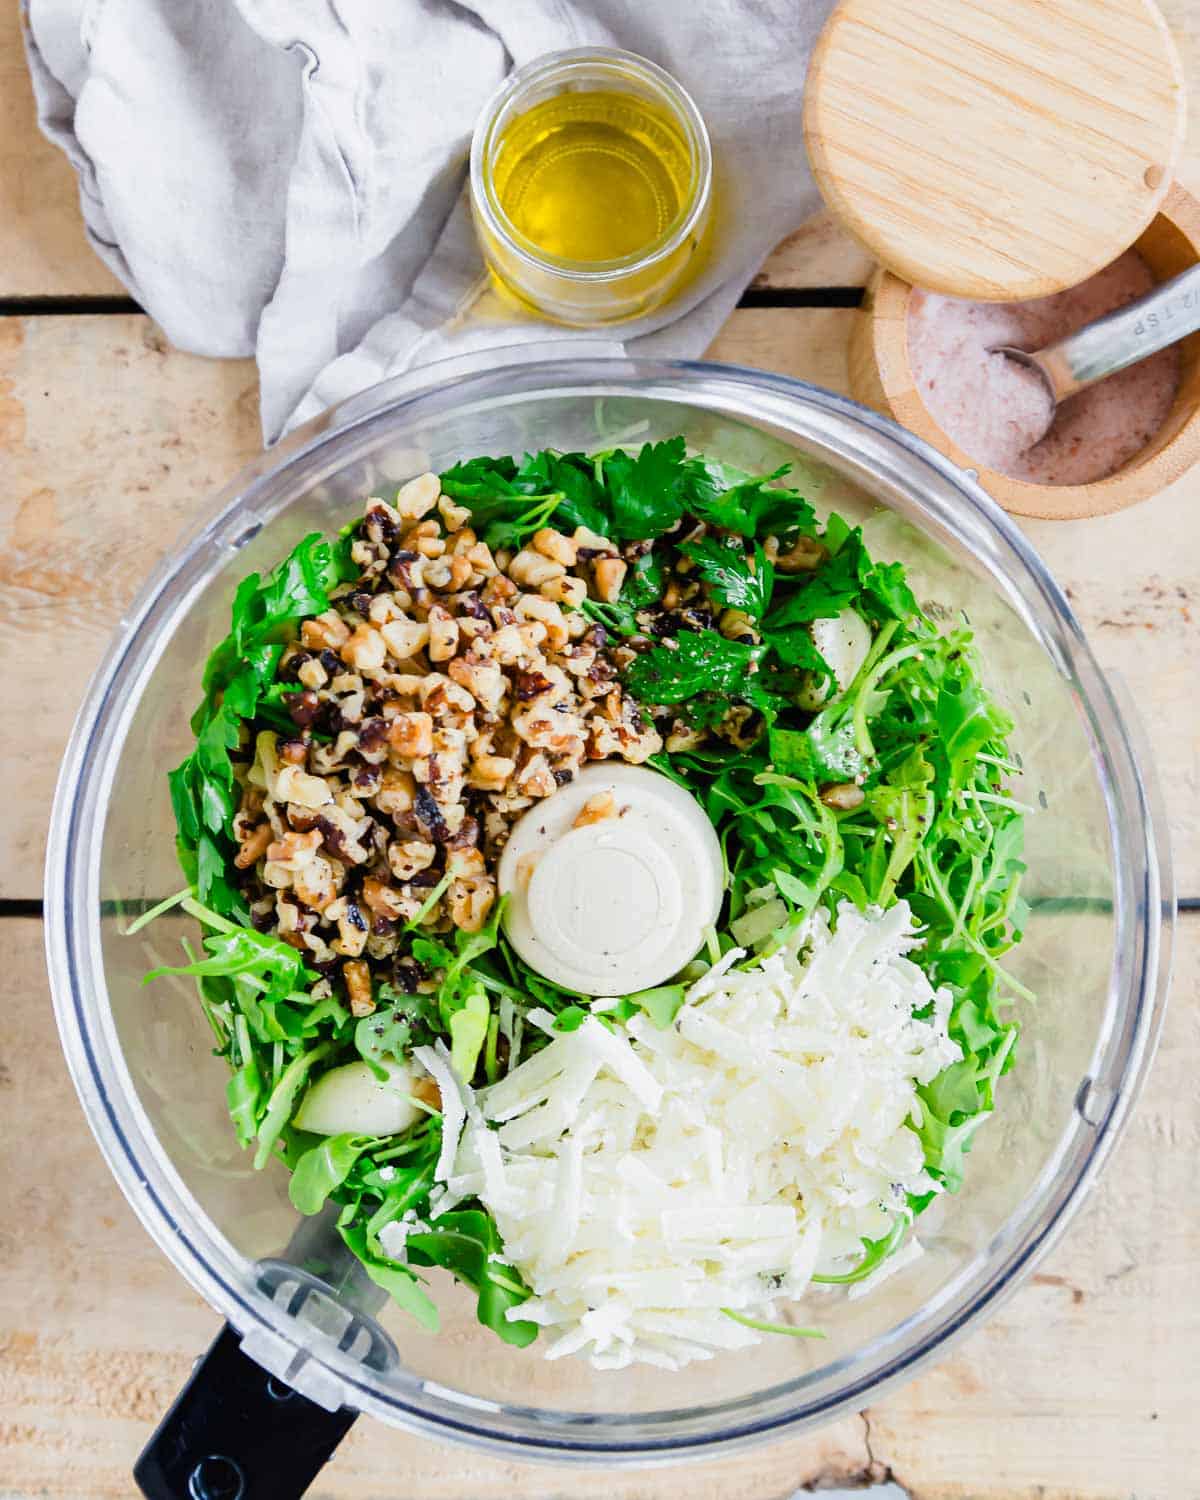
43	249
818	254
98	476
1082	1384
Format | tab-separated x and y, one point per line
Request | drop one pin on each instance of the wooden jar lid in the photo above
995	149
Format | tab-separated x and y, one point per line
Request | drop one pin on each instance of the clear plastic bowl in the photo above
154	1094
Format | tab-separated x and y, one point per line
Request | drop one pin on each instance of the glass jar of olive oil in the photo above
591	180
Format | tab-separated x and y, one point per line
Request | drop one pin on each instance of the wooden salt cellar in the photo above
998	150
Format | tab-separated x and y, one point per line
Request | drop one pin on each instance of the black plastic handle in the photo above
237	1433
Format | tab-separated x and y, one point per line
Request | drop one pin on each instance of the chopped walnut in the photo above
358	987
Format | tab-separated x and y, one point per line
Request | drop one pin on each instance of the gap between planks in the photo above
90	307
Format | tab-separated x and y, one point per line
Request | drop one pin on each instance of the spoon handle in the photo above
1132	333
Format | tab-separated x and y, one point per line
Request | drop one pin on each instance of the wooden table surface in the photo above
1082	1386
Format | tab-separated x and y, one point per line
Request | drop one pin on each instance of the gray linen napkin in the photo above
284	178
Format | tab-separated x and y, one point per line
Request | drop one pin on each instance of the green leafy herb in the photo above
324	1167
644	582
662	1004
737	581
646	494
701	661
823	752
396	1279
468	1032
751	506
464	1242
875	1252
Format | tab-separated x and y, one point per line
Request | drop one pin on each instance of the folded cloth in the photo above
285	177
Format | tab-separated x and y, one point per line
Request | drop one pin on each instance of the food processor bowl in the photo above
1094	952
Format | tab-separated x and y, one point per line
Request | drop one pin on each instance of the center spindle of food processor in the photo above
612	881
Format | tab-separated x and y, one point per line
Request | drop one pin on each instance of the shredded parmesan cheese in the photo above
644	1180
436	1061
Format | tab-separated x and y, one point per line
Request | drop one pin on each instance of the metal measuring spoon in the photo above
1119	339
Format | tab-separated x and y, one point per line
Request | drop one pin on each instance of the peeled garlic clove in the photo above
353	1100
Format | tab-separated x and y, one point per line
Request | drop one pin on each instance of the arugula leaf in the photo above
396	1280
946	1145
822	753
458	983
967	719
700	662
236	675
468	1032
244	1093
324	1167
383	1036
764	1325
903	805
875	1252
281	1104
464	1243
408	1185
730	576
662	1004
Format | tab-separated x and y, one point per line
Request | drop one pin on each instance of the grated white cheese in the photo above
643	1180
436	1061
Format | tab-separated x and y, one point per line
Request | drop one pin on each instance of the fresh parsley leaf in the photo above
889	591
747	506
701	661
572	477
734	580
826	592
644	582
646	493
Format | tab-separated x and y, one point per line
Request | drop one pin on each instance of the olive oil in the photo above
593	175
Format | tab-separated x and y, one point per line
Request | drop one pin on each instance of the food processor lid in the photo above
995	150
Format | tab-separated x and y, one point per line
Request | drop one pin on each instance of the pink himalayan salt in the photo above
996	410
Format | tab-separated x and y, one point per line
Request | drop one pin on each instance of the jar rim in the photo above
668	91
